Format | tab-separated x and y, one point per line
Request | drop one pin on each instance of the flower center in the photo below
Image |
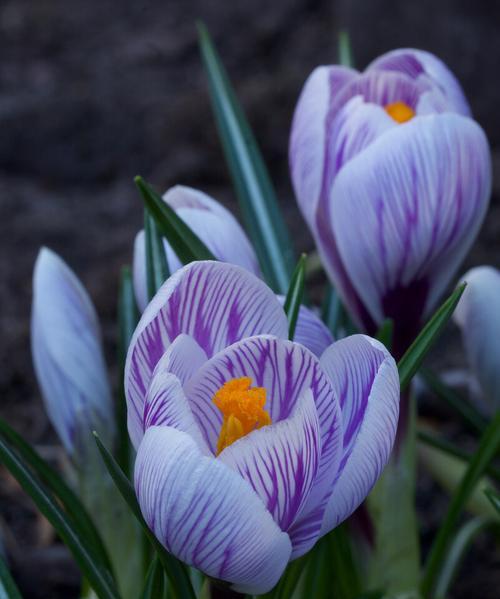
243	409
399	111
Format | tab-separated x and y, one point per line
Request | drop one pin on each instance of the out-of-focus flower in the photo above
249	446
393	178
68	357
478	316
213	224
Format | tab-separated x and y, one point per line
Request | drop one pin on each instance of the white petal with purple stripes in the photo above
206	514
408	207
214	303
281	460
365	377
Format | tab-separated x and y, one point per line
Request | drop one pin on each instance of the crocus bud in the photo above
393	178
213	224
478	317
68	357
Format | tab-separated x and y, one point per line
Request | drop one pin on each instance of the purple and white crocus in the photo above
393	178
478	317
249	446
68	357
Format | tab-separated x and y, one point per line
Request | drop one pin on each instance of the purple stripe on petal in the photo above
281	460
206	514
365	377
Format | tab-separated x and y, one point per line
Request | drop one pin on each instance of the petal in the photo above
365	377
207	515
405	211
166	403
285	369
67	354
214	225
478	316
214	303
281	460
308	134
310	330
419	64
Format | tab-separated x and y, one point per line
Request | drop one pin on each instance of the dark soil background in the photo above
93	93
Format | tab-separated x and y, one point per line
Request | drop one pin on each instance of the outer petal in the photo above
281	460
478	316
67	354
419	64
310	331
207	515
406	210
365	377
214	303
166	403
285	370
213	224
308	134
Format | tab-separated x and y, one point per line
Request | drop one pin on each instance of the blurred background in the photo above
95	92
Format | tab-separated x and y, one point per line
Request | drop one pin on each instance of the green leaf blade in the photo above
293	299
255	192
156	261
8	588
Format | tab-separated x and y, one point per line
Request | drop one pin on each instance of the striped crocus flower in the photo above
249	446
68	356
478	317
393	178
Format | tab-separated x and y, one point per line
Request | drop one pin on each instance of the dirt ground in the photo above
93	93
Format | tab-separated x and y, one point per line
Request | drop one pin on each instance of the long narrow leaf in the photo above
8	588
254	189
385	333
128	317
331	311
155	581
494	498
185	243
71	503
290	579
99	578
346	583
411	361
488	448
454	400
294	295
176	571
456	552
345	56
156	261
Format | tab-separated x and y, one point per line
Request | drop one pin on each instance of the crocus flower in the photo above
393	178
249	447
478	317
68	357
214	225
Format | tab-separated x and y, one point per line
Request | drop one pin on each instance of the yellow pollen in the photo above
242	407
400	111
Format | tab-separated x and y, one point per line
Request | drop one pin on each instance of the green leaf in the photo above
331	311
395	559
494	498
128	317
446	446
294	296
156	261
185	243
345	57
385	333
254	189
290	579
488	448
92	569
457	549
454	400
8	588
155	582
71	503
344	576
411	361
175	570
